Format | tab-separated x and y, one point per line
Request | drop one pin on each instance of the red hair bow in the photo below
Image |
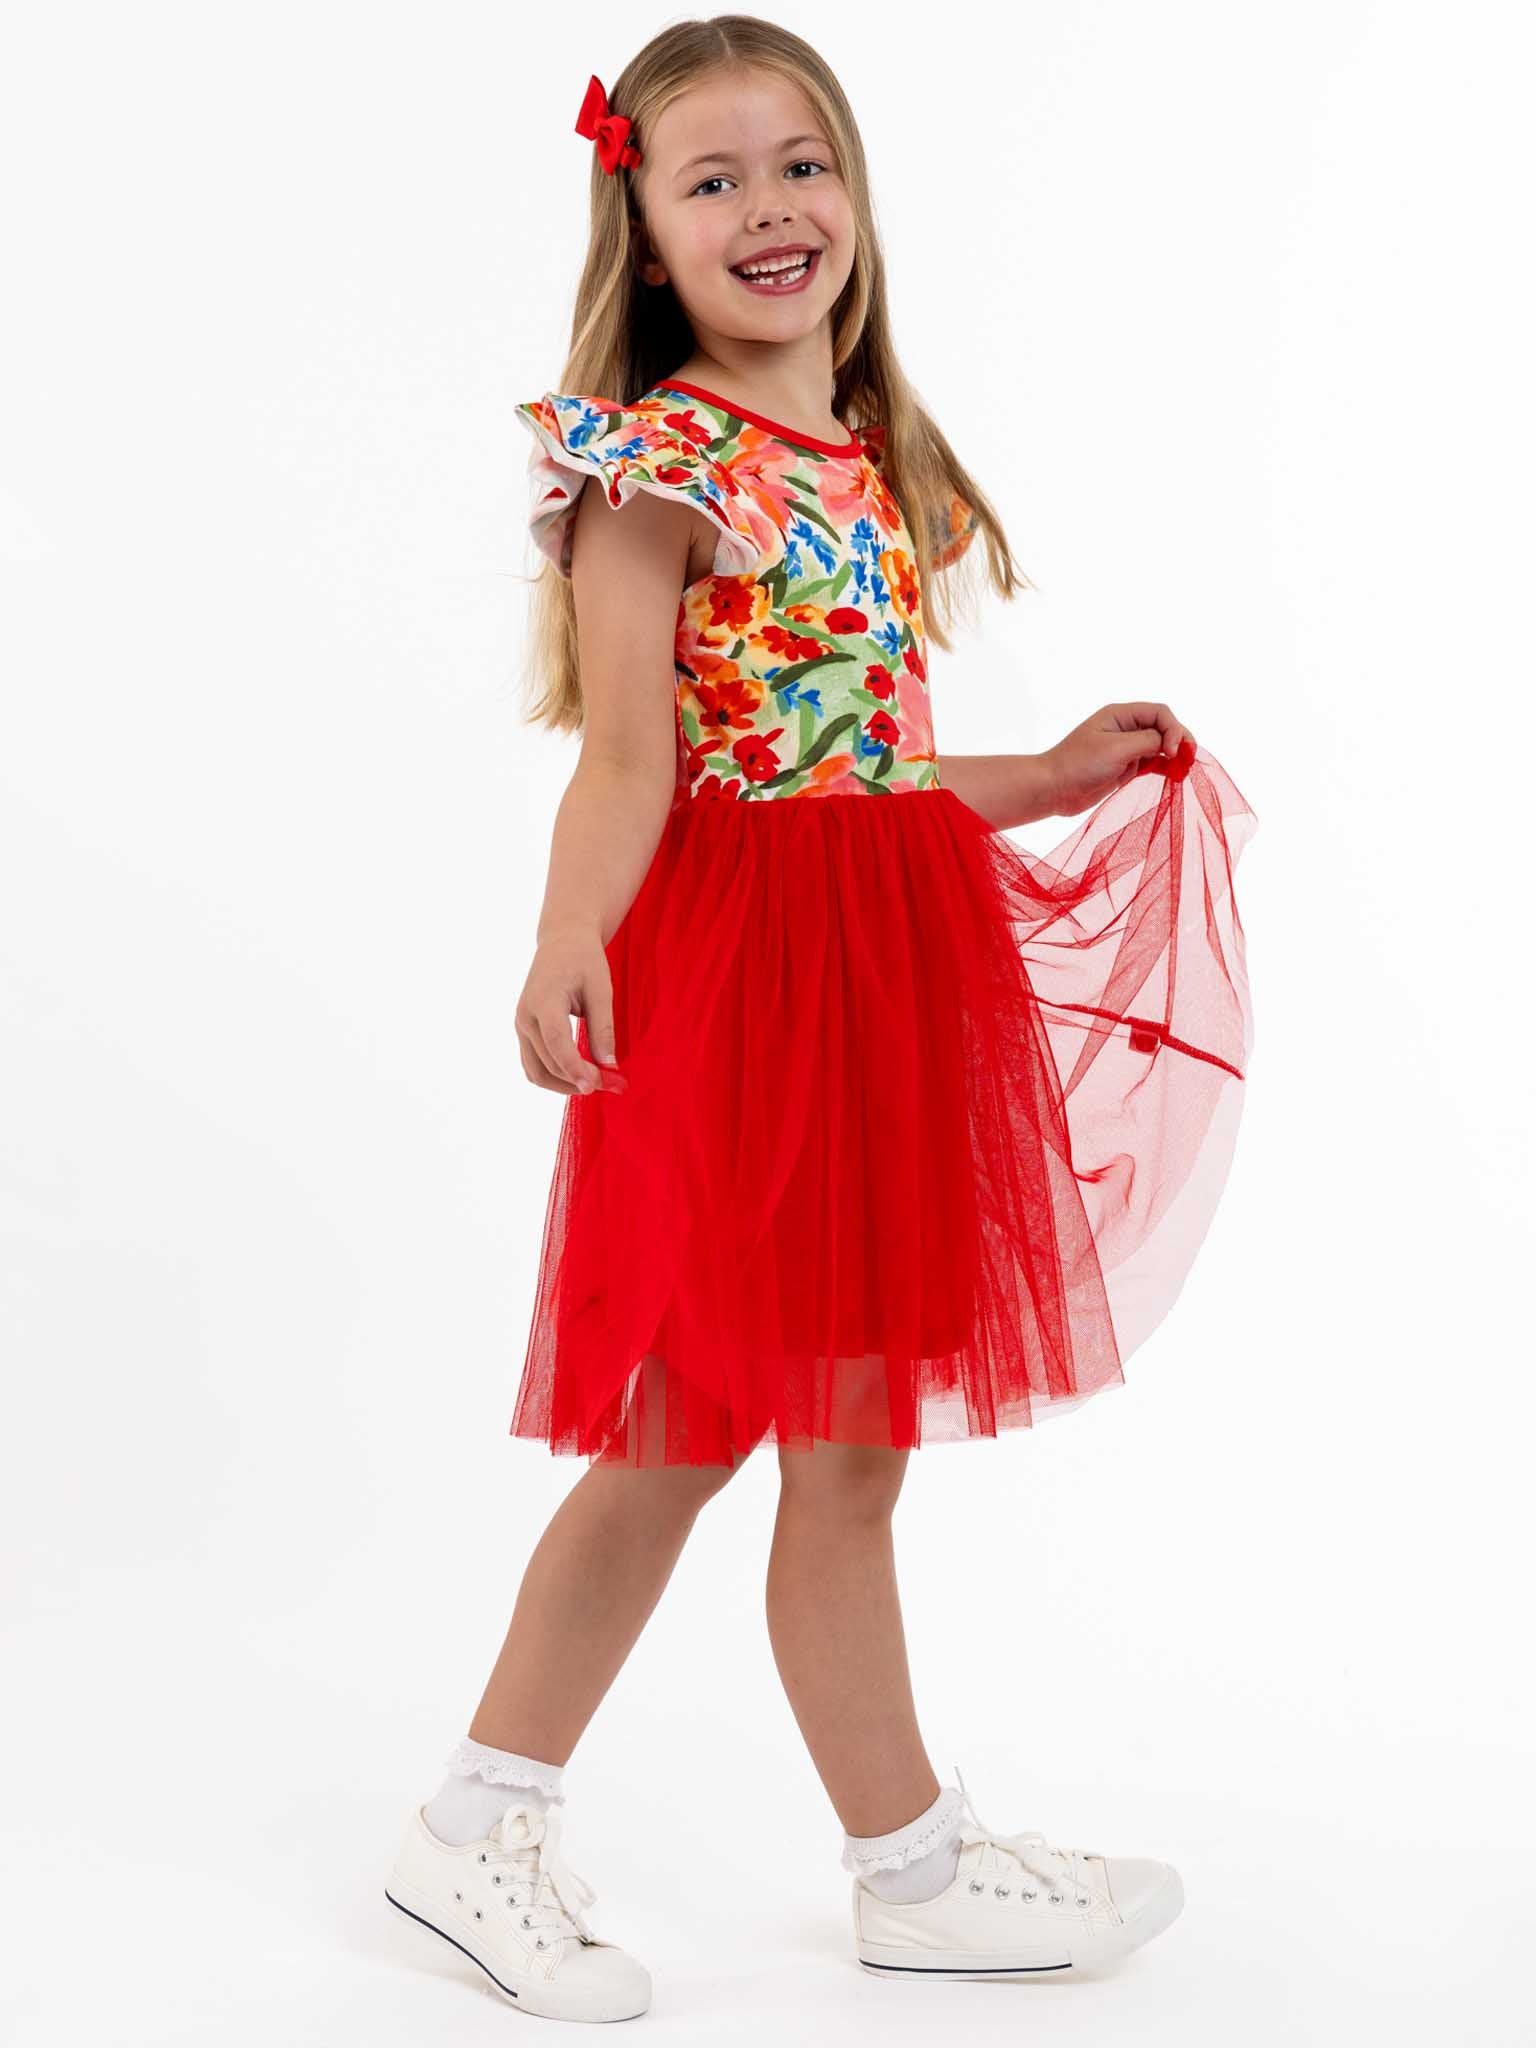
609	131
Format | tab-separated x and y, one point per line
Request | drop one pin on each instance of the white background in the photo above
1225	307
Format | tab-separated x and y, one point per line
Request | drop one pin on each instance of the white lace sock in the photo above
912	1862
482	1783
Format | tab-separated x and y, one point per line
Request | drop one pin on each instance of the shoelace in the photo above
529	1844
1032	1850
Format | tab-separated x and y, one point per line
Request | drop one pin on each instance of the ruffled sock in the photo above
913	1862
482	1783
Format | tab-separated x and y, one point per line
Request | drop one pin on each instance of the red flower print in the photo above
902	577
719	789
756	755
688	427
882	727
879	681
793	646
879	497
724	704
731	600
695	758
845	618
916	663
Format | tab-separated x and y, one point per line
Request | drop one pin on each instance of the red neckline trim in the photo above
849	447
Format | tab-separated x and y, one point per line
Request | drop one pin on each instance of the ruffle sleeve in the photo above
643	446
951	526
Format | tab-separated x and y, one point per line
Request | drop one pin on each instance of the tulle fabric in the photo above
922	1131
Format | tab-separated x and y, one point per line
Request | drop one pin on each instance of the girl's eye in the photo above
799	161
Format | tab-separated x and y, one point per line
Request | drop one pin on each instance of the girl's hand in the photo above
569	977
1111	748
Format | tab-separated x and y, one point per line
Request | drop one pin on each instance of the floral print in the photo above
799	656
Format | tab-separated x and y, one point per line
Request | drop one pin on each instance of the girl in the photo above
881	1131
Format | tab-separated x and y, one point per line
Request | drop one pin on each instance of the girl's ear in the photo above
649	267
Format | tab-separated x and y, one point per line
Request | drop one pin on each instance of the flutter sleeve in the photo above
646	446
951	526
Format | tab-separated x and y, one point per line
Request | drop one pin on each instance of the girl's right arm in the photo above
629	565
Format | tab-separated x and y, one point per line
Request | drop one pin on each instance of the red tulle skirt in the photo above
922	1131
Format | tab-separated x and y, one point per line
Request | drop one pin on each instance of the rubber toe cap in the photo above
601	1967
1135	1882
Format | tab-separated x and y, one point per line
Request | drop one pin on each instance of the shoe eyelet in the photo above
483	1857
540	1942
1084	1902
1028	1895
1055	1898
460	1897
1001	1890
526	1922
478	1914
495	1877
975	1886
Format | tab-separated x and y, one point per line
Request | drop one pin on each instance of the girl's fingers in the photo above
1172	731
557	1047
598	1004
536	1067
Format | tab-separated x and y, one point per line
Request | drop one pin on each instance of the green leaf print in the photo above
883	765
844	572
800	668
811	511
828	734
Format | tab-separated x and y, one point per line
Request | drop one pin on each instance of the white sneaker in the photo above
1018	1908
514	1906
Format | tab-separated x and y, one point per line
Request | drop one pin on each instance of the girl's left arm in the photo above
1110	748
1007	789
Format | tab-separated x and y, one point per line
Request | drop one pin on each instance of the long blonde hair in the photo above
627	336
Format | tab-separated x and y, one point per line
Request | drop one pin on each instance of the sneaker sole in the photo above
1083	1954
530	1997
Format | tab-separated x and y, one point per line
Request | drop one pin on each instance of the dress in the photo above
922	1130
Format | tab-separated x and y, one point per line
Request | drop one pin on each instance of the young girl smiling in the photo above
876	1122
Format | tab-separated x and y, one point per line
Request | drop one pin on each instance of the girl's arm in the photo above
1007	789
1115	744
629	564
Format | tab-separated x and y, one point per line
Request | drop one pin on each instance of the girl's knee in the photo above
678	1491
861	1481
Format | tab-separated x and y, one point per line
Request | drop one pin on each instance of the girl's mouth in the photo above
780	282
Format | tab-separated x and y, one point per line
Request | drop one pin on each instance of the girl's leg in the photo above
589	1588
834	1619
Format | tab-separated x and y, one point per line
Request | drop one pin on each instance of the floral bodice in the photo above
799	656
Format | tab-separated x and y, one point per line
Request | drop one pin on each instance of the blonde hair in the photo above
627	336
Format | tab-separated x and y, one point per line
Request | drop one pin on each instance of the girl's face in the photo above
738	166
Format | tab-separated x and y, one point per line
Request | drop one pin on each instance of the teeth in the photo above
774	269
